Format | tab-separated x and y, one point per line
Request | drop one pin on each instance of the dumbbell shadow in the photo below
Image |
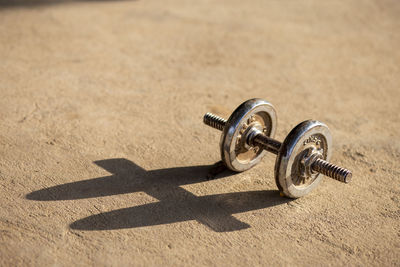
175	203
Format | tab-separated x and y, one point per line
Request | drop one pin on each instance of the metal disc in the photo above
309	137
254	114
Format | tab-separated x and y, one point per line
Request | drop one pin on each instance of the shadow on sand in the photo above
175	203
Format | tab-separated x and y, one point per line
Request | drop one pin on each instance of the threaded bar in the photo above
268	143
332	171
214	121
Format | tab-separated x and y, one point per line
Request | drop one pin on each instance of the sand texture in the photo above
104	157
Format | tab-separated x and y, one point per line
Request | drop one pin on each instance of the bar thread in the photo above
331	170
214	121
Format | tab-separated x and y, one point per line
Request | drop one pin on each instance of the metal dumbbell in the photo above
303	155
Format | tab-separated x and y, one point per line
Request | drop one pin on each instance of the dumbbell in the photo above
304	154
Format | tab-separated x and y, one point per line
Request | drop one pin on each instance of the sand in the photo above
103	153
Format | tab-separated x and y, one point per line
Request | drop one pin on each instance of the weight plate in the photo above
307	138
254	114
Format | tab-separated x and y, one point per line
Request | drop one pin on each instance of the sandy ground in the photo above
104	156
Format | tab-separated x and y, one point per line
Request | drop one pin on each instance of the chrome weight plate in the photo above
306	140
253	116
